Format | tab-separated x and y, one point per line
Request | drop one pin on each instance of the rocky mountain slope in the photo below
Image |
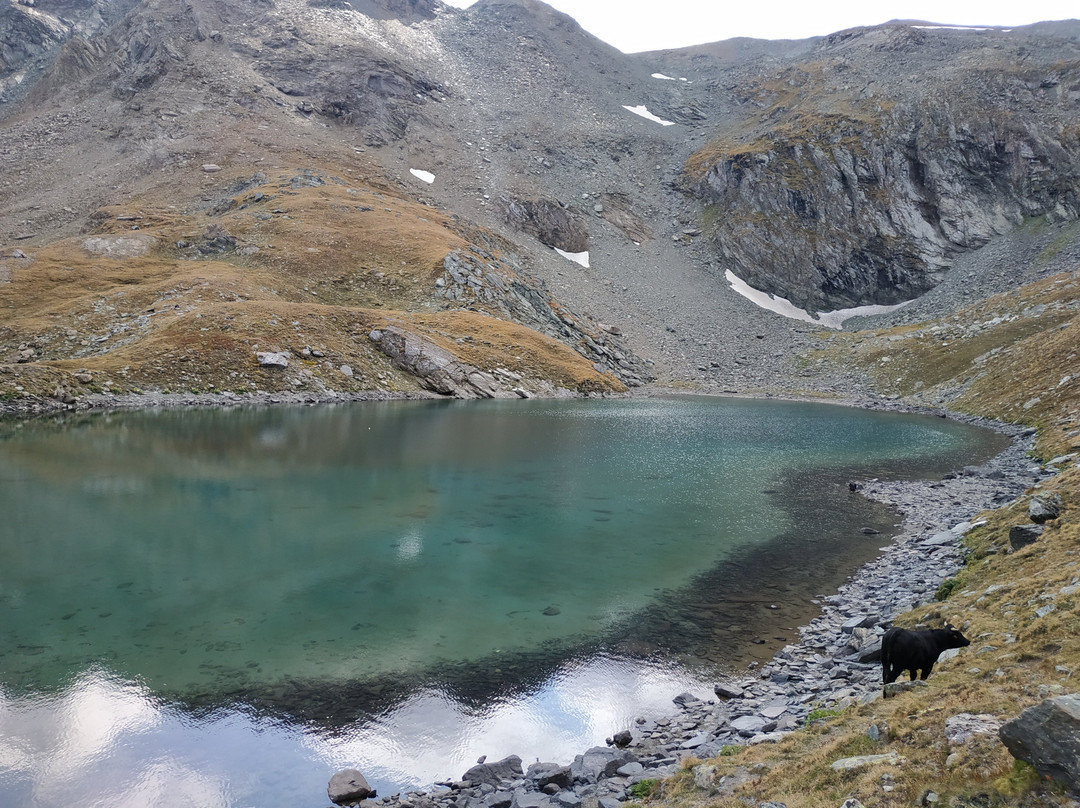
852	169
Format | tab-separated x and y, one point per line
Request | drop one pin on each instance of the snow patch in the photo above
644	113
785	308
662	76
426	176
578	258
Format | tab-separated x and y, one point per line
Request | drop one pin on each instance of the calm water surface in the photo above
220	608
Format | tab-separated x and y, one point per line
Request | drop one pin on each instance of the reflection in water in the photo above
220	608
114	744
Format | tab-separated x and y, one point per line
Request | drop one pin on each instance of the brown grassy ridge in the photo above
1011	370
312	261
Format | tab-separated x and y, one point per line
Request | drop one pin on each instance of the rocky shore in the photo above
834	665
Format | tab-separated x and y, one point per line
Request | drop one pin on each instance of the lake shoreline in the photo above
832	665
819	670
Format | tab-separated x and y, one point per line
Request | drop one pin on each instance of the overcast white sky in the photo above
637	25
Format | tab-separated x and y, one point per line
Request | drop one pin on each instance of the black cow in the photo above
916	651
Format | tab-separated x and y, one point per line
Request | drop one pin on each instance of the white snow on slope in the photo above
578	258
426	176
784	307
662	76
643	111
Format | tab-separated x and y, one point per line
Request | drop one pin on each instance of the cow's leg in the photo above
926	671
914	673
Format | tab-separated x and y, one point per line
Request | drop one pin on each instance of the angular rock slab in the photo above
348	786
509	768
1048	737
1044	507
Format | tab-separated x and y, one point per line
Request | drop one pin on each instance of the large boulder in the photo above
434	367
1048	737
1044	507
349	786
509	768
599	762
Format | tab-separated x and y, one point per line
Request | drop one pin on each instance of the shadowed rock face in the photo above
859	183
1048	737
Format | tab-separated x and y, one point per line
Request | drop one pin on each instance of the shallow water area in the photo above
227	606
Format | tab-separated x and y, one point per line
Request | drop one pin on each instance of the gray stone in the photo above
729	691
272	359
939	539
705	777
509	768
622	738
1023	535
530	799
859	621
749	724
1043	507
695	741
1048	737
895	688
346	370
608	802
348	786
632	769
599	762
434	367
686	700
568	799
962	727
544	774
775	708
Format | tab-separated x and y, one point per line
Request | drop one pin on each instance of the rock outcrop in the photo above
436	368
836	198
1048	737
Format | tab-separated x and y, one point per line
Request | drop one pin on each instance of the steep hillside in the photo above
859	172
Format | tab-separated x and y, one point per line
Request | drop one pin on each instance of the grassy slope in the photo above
313	266
1018	368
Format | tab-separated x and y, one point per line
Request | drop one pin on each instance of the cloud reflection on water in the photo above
434	737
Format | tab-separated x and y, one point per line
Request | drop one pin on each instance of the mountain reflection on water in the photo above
229	605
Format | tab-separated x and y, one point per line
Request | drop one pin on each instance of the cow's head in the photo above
956	639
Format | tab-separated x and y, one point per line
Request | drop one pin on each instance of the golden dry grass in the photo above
318	261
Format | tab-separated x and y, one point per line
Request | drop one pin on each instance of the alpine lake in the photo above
224	607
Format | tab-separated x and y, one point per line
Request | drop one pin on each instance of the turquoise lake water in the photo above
224	607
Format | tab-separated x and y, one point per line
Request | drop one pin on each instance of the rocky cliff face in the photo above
864	172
